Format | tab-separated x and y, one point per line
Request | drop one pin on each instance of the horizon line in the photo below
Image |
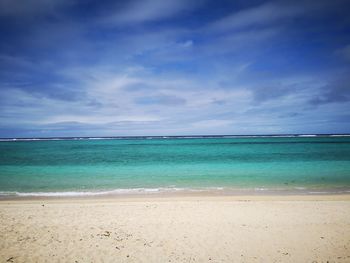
173	136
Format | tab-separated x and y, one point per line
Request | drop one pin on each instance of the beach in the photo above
176	228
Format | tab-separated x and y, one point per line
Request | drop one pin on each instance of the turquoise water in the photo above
48	166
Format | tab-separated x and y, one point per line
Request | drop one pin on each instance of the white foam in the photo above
2	193
120	191
299	188
100	138
329	192
170	189
260	189
92	193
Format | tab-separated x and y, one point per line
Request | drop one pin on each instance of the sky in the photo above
181	67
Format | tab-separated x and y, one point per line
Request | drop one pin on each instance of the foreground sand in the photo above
177	229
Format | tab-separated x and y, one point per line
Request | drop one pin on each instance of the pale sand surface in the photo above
177	229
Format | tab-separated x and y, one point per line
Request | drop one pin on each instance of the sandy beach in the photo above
177	229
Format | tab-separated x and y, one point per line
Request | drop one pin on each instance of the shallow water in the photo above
63	167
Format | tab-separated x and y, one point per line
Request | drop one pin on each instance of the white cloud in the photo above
187	44
256	16
211	123
140	11
100	118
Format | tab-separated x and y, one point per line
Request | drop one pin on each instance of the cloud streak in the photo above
136	12
257	16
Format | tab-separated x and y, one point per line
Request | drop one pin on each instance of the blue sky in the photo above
161	67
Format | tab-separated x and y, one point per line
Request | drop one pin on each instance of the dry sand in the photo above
177	229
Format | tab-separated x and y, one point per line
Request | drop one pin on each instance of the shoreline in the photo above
175	197
175	192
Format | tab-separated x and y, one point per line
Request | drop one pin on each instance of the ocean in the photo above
227	164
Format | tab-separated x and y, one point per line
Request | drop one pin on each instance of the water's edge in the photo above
180	191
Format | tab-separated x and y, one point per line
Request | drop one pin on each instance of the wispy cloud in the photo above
257	16
137	11
336	91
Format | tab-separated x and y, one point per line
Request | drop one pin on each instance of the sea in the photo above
89	166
